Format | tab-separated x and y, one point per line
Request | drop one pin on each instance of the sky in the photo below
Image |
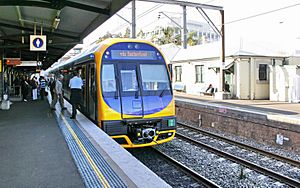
273	21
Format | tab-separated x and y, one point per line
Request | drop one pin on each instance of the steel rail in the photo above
196	176
245	146
268	172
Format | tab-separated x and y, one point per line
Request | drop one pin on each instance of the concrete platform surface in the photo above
33	152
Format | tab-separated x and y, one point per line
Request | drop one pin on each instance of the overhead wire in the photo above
263	13
139	16
229	22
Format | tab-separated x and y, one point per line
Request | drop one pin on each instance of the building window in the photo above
262	72
199	73
178	72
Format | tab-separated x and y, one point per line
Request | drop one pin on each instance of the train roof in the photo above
94	47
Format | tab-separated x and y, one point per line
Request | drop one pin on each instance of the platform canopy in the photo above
64	22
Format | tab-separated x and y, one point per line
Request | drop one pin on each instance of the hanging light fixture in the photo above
56	22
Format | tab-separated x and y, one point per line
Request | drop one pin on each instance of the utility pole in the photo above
184	28
133	25
220	93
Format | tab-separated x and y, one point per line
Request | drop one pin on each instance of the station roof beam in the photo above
65	22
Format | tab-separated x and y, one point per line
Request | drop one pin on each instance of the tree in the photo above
127	33
119	35
177	39
106	36
191	39
168	35
141	34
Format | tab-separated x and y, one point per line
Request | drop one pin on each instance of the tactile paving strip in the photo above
93	168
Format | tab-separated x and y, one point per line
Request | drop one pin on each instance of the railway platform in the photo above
267	122
259	106
44	148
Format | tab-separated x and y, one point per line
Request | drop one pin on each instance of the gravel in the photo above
167	172
273	149
219	170
261	160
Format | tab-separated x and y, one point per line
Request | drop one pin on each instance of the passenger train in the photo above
127	91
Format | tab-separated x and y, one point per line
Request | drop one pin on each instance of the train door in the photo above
131	100
92	91
83	103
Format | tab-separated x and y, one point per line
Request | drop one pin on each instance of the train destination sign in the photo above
133	54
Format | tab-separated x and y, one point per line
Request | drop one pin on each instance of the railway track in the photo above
193	179
244	146
251	165
196	176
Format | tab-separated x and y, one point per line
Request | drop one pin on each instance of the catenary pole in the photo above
184	28
133	25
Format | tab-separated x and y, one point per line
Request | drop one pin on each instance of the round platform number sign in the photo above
38	42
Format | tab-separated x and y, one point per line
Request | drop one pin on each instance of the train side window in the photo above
108	78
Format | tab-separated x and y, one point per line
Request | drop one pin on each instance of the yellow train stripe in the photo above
87	155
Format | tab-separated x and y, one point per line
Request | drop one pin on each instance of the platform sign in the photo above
13	61
38	42
0	65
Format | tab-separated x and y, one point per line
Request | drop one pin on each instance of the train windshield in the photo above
108	78
154	77
129	79
149	78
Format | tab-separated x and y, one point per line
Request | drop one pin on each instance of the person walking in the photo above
75	85
58	94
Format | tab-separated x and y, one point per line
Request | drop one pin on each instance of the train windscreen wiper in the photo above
163	91
117	87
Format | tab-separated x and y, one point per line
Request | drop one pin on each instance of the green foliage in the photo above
127	33
141	34
106	36
161	36
191	39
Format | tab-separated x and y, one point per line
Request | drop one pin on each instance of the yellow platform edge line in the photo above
87	155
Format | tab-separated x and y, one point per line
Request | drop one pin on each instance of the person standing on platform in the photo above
226	87
34	86
58	94
52	86
42	87
24	88
75	84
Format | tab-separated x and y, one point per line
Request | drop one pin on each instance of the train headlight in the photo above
171	123
148	133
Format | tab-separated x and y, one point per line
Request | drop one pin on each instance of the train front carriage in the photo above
127	90
136	104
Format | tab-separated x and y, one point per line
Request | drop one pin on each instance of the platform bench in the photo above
206	93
